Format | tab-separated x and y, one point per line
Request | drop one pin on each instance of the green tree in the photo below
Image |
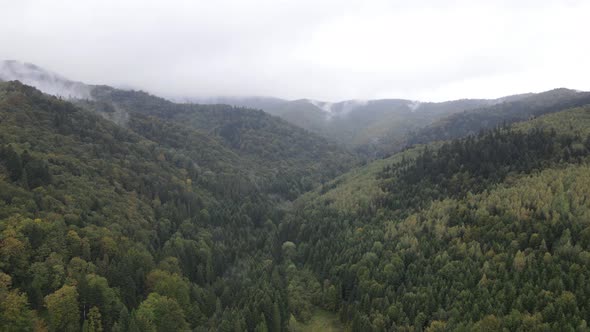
261	326
170	285
160	313
489	323
93	322
14	312
276	319
63	309
123	322
13	162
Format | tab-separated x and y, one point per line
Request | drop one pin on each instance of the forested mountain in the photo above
356	123
284	157
486	233
123	211
381	127
373	127
274	154
150	226
471	122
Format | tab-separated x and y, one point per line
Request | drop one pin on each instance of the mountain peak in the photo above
43	79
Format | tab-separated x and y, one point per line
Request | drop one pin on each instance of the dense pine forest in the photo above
128	212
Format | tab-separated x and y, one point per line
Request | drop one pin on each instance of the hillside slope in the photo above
288	159
274	154
151	226
374	127
498	241
356	123
471	122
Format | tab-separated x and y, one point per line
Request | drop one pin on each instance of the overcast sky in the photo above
328	50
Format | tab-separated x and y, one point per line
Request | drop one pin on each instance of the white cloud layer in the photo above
327	50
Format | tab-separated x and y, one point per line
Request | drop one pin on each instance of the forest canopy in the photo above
128	212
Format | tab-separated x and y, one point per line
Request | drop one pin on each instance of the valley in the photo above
127	211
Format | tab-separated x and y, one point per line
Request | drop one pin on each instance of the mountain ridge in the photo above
373	128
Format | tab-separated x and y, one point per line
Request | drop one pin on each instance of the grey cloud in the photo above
325	50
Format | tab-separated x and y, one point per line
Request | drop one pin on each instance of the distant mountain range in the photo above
360	123
373	127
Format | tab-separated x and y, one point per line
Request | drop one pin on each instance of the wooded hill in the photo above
485	233
128	212
152	225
